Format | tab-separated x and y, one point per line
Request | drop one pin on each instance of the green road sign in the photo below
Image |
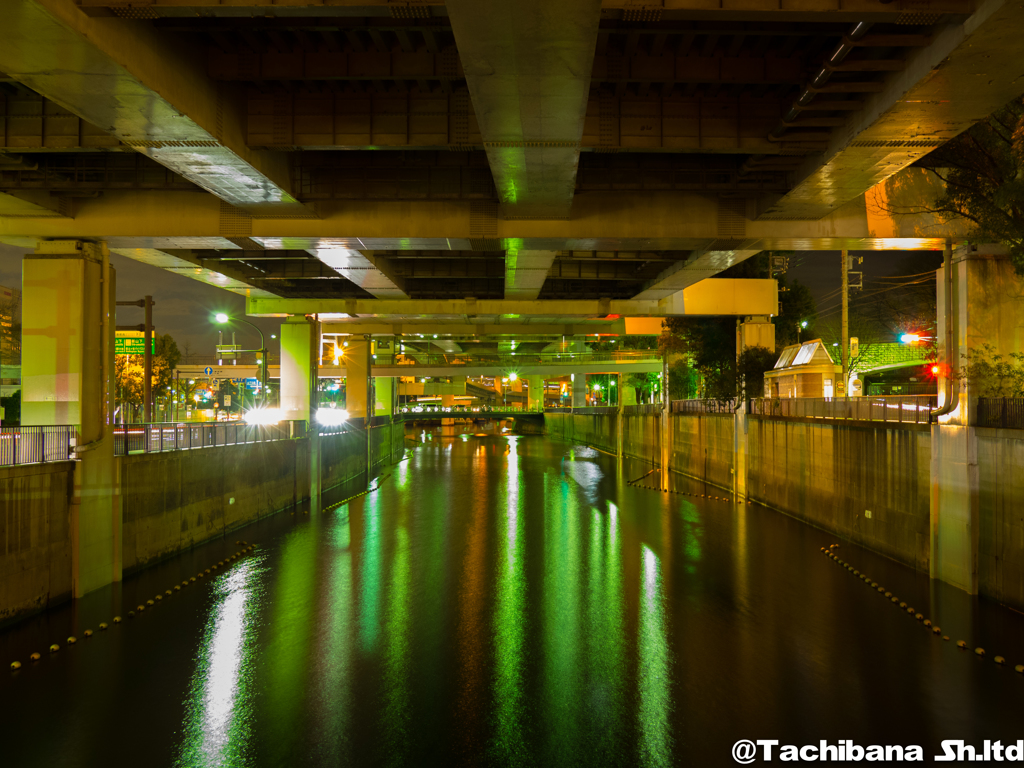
132	345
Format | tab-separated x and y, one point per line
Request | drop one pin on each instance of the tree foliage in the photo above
982	177
130	375
992	375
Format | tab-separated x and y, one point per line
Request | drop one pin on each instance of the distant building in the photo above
803	370
10	340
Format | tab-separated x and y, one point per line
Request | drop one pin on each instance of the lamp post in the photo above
221	319
799	327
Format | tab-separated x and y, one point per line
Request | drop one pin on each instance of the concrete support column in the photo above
739	452
298	347
579	390
536	394
985	305
68	307
300	355
357	379
627	393
383	396
619	413
666	427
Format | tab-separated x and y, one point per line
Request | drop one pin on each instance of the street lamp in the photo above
221	319
799	327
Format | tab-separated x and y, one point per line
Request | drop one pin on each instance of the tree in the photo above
981	180
644	383
12	409
130	375
753	362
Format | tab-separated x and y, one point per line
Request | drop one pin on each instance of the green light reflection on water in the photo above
605	638
510	626
397	654
334	689
219	710
373	542
562	619
655	702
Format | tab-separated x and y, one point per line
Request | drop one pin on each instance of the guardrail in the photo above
703	406
157	438
1003	412
460	412
914	409
632	410
37	445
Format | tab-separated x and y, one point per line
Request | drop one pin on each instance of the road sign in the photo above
208	370
252	383
132	345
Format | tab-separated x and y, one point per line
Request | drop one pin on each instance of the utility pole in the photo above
147	388
845	340
147	330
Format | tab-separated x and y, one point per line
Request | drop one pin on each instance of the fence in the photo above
902	410
632	410
36	445
156	438
1005	412
703	406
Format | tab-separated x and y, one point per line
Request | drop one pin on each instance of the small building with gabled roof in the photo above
803	370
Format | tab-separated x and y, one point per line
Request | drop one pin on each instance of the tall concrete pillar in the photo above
619	421
298	352
579	390
627	393
357	379
986	299
383	387
68	307
535	396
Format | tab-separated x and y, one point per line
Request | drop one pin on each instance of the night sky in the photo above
184	306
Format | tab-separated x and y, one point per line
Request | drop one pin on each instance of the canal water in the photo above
509	601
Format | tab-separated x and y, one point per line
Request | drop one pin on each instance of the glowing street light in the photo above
910	338
222	318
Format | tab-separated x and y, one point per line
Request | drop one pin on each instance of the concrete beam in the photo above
528	69
374	274
967	72
148	91
601	221
526	271
701	264
31	123
33	204
748	10
185	264
710	297
429	371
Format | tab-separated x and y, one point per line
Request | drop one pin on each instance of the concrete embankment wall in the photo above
867	482
35	537
598	430
1001	515
834	475
170	502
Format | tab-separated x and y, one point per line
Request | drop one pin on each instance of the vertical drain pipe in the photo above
952	322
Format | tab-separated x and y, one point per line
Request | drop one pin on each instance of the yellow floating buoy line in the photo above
830	553
707	496
371	489
72	640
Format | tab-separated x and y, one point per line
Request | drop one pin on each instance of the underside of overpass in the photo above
480	163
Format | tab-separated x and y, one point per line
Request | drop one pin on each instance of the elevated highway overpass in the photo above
464	167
